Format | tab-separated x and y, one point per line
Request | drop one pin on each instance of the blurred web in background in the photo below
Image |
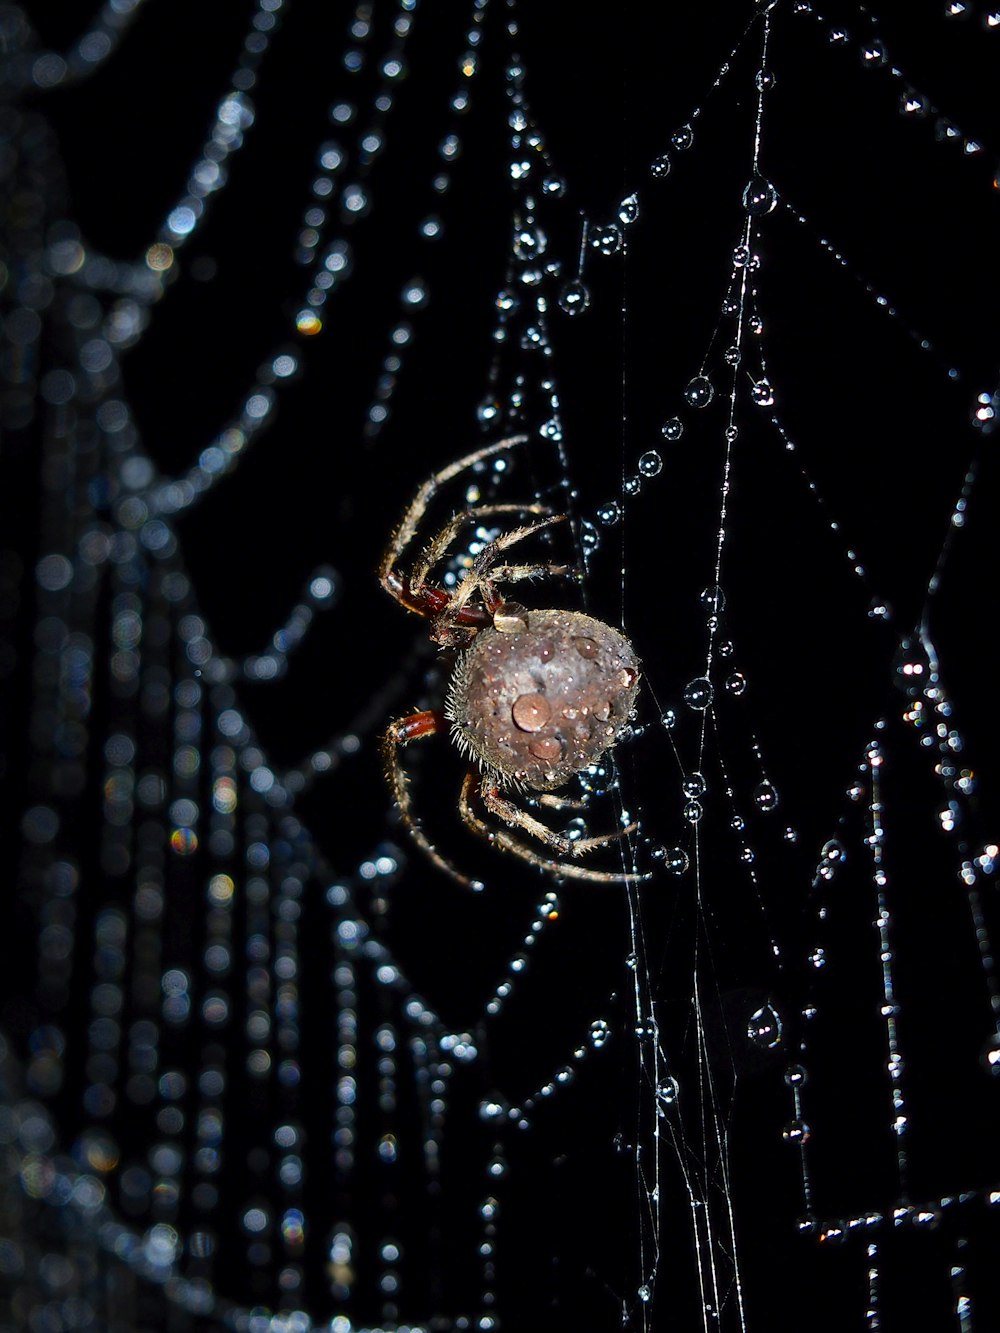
235	1098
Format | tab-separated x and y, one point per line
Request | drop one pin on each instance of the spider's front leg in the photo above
398	734
429	601
486	574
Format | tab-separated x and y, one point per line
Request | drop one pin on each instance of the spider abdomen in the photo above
541	698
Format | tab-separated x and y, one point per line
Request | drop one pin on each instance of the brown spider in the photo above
535	696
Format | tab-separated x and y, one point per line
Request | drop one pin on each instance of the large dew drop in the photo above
605	240
698	693
765	797
590	538
760	197
764	1027
672	429
699	391
600	1031
628	210
574	297
676	861
873	54
667	1090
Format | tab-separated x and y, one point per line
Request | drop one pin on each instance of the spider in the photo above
535	697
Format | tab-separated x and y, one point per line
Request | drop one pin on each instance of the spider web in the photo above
266	1070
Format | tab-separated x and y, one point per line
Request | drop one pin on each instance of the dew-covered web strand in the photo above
883	303
626	845
876	839
712	1116
646	1027
711	1109
328	260
731	422
227	136
640	983
683	136
644	1023
872	56
660	1088
711	1148
983	414
950	742
53	69
832	857
328	264
982	417
913	104
648	1188
916	658
651	1075
146	280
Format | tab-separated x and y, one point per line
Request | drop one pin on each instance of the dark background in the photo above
883	433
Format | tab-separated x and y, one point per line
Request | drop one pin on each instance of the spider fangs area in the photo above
536	696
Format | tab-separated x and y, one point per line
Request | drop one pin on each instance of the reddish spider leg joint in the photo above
535	697
430	601
412	728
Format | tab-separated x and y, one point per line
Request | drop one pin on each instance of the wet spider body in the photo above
541	696
535	696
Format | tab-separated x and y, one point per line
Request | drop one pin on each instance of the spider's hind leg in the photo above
398	734
512	815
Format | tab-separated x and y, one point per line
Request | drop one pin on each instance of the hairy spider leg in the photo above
483	575
517	573
397	735
489	794
562	802
499	805
434	599
440	542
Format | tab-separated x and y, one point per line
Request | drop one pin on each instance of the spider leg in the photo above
510	813
487	556
562	802
440	542
515	573
388	574
398	734
487	583
482	569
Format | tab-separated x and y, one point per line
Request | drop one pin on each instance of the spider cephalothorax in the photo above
535	696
